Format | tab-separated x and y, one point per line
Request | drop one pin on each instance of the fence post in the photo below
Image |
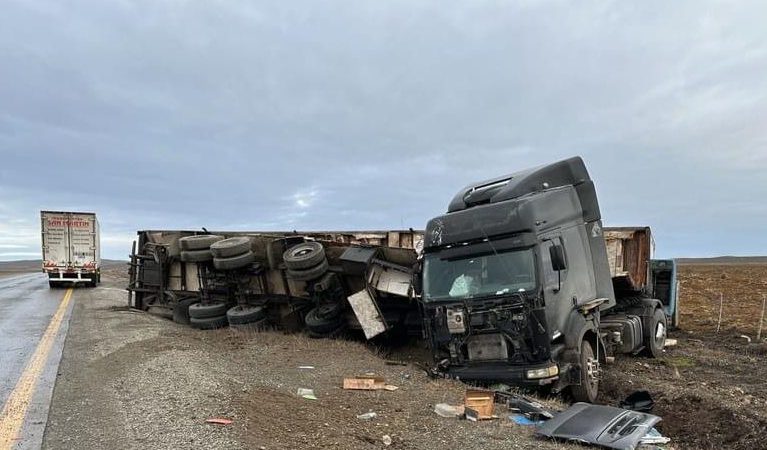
761	319
721	304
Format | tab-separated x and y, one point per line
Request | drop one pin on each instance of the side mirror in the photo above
557	254
417	279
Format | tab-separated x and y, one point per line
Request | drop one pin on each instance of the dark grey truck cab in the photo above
516	285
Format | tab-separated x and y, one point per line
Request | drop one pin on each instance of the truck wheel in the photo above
234	262
230	247
319	322
53	284
240	315
655	334
589	388
196	255
208	323
200	311
309	274
304	256
181	310
199	242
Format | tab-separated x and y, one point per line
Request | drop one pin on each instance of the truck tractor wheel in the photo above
208	323
319	323
655	334
200	311
234	262
309	274
181	310
589	388
196	255
241	315
304	256
199	242
230	247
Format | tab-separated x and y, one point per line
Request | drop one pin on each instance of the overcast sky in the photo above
268	115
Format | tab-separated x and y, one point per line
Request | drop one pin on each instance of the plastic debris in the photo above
450	411
521	419
670	343
638	401
386	439
367	416
306	367
654	437
219	421
306	393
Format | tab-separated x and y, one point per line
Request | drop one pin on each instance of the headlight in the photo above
546	372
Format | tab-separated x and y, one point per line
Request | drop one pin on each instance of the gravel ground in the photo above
133	380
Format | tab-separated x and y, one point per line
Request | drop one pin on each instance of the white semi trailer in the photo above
71	247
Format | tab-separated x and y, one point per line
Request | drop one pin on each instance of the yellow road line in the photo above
15	409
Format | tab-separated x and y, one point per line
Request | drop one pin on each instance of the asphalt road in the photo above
33	324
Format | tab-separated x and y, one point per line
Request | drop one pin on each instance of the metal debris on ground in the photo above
306	367
306	393
449	411
600	425
531	409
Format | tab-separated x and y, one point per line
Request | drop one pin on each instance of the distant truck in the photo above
71	248
520	283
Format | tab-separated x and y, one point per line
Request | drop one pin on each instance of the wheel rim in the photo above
660	334
592	371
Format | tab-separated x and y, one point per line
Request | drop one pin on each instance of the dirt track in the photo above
131	380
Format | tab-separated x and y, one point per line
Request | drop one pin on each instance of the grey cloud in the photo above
371	114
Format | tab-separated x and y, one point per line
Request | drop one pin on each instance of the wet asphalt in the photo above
26	307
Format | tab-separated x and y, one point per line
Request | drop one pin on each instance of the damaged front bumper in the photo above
535	375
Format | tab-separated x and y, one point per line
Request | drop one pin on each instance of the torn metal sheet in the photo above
605	426
389	280
368	315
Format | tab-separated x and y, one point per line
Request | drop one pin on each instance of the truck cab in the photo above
515	278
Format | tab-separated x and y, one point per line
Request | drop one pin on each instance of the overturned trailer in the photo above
517	282
326	280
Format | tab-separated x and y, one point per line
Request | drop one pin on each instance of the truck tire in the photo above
199	242
181	310
234	262
53	284
230	247
208	323
196	255
241	315
200	311
319	322
309	274
589	388
655	334
304	256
